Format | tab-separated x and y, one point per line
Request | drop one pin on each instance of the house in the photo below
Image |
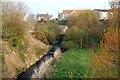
64	14
67	13
102	14
119	4
60	15
114	3
41	17
76	12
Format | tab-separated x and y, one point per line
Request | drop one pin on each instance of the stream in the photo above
43	65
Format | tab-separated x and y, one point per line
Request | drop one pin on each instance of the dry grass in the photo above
12	63
19	48
105	63
34	49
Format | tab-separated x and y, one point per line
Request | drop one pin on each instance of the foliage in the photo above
40	36
62	22
73	64
86	19
106	61
69	45
40	51
49	31
14	26
21	51
113	17
83	30
114	13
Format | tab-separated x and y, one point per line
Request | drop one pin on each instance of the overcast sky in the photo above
55	6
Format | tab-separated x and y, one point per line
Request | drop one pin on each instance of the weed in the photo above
106	61
21	51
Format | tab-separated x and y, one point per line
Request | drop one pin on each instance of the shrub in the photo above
83	30
106	61
69	45
13	35
62	22
86	19
40	51
40	36
49	31
14	26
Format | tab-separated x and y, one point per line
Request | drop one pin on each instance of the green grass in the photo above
73	64
21	52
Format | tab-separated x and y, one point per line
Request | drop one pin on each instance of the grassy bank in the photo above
73	64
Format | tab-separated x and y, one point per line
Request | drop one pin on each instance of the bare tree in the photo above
114	12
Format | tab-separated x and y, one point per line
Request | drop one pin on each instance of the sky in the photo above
54	6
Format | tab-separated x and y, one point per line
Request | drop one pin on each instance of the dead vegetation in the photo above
106	61
19	49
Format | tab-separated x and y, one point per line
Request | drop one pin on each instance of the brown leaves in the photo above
105	62
110	39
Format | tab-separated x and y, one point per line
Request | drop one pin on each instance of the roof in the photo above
74	11
44	15
103	10
80	11
67	11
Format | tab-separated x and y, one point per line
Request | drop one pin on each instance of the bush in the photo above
14	26
40	36
62	22
13	35
106	61
86	19
83	30
49	31
69	45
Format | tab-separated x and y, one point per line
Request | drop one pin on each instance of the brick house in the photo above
67	13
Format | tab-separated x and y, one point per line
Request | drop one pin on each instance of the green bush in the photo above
62	22
13	35
51	31
69	45
83	30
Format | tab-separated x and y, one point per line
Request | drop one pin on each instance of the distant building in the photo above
119	4
102	14
67	13
114	3
60	15
40	17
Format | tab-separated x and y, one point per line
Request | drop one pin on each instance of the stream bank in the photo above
43	66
